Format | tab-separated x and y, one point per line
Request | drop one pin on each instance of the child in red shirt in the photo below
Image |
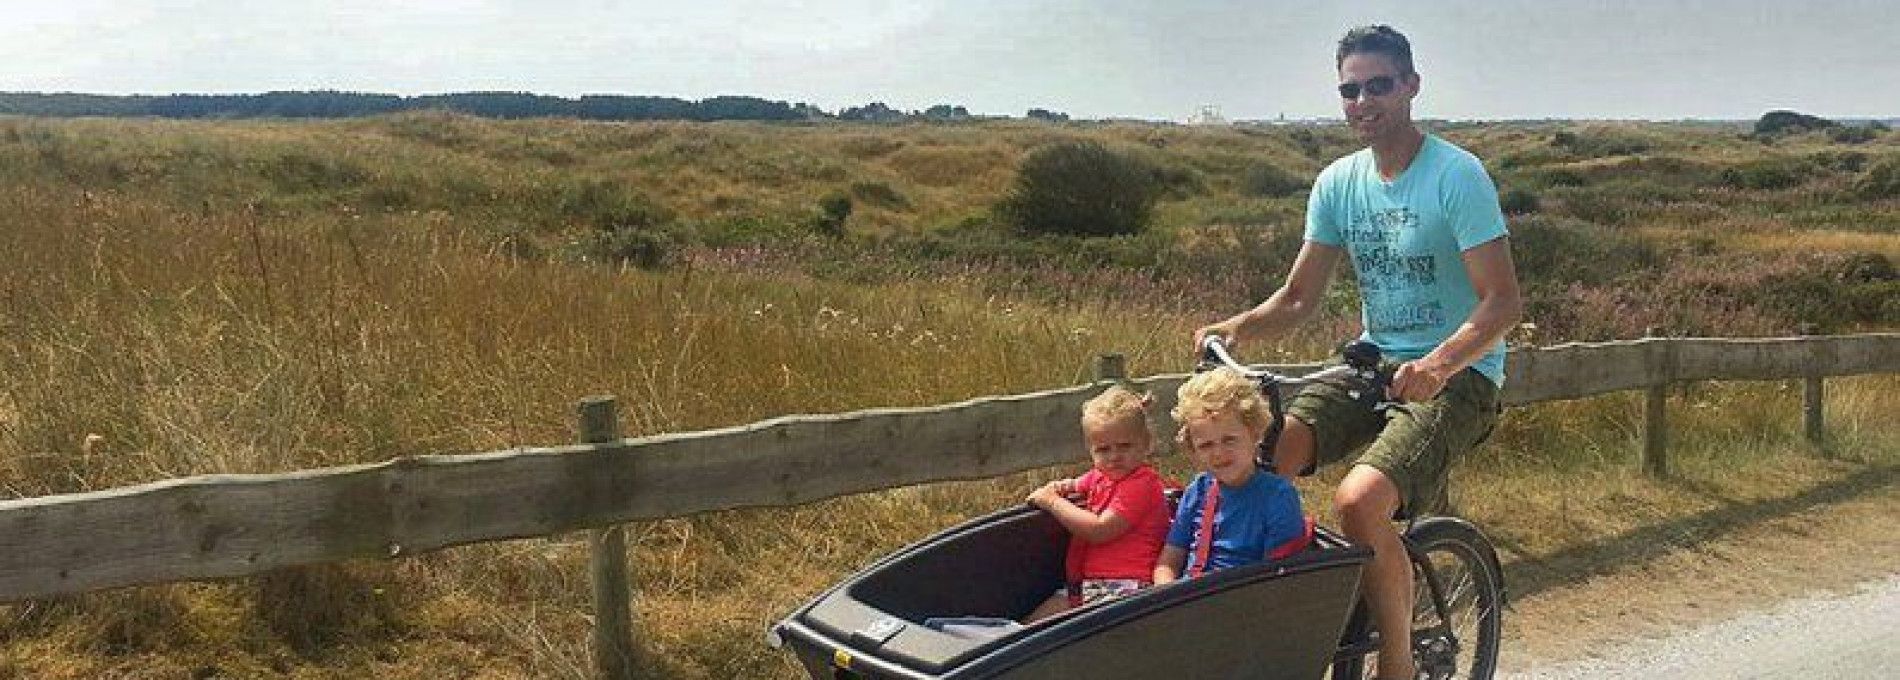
1118	532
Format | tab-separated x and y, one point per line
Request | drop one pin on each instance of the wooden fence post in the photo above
1111	367
613	603
1811	398
1655	420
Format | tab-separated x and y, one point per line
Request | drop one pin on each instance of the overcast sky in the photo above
1655	59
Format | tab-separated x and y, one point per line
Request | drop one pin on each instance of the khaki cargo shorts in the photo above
1414	444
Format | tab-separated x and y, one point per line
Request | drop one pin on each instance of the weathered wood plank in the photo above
233	525
1574	371
1787	358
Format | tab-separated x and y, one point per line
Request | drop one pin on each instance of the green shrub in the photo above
879	194
1517	201
1080	188
1562	177
1834	291
1839	161
1605	207
1557	252
1851	134
1768	173
833	210
1177	181
1789	122
653	247
628	228
298	171
608	205
1269	180
1599	142
1882	181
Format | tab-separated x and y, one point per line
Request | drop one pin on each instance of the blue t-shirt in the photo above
1406	238
1249	520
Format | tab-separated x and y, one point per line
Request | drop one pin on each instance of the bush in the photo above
879	194
1176	181
627	228
1768	173
1080	189
607	205
1517	201
833	210
1599	142
1562	177
1851	134
643	247
1839	161
1269	180
1789	122
1554	252
1881	181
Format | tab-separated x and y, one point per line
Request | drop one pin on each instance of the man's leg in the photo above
1365	503
1294	453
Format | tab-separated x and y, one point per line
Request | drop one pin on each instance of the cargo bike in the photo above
942	608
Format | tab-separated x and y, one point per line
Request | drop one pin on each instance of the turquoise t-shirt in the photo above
1406	238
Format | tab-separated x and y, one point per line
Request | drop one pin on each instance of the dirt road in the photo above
1844	636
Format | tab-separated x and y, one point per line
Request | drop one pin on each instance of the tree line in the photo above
333	104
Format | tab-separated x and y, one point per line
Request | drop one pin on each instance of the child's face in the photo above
1224	446
1118	447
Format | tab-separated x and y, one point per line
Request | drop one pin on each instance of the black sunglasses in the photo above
1377	86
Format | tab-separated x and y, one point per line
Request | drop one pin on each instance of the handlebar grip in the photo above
1211	347
1362	355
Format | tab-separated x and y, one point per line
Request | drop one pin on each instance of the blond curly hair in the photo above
1222	390
1115	405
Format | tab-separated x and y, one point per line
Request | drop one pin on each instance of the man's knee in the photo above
1366	496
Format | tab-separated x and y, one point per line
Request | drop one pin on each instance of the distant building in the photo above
1207	114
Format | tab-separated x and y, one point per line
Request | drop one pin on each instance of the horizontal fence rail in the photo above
217	526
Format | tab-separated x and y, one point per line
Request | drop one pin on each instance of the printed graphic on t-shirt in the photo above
1394	284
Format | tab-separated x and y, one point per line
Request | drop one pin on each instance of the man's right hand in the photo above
1228	331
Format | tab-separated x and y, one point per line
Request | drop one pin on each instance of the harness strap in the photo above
1293	545
1204	543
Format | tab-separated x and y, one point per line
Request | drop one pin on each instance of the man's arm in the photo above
1494	278
1295	301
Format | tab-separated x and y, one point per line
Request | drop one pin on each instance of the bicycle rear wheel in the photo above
1456	625
1460	644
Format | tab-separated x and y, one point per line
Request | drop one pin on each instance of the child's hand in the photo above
1066	487
1051	493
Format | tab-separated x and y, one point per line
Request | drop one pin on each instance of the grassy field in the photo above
188	298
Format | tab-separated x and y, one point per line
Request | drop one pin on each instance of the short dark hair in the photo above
1379	39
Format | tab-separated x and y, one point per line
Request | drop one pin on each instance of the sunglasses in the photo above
1377	86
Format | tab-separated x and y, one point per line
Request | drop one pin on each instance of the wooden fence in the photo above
218	526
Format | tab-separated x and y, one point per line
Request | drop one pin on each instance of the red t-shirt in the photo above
1137	498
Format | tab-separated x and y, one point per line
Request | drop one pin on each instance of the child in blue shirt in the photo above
1233	513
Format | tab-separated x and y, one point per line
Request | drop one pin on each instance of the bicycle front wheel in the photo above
1459	594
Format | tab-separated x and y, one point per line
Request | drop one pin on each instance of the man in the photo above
1419	218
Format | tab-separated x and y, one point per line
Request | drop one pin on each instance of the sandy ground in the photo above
1832	636
1829	547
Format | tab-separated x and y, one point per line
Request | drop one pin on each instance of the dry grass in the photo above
374	302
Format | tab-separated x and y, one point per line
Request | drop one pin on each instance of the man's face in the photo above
1382	101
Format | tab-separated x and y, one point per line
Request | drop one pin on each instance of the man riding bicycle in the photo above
1419	218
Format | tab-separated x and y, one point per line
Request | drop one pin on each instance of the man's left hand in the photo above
1418	381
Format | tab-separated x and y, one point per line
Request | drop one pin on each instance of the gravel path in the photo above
1849	636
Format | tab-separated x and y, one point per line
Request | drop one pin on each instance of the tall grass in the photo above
188	298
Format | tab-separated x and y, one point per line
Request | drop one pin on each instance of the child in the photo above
1116	534
1233	513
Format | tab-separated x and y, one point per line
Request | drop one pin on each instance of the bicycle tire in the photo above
1466	566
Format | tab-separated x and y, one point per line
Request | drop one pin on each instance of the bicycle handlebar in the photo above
1361	359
